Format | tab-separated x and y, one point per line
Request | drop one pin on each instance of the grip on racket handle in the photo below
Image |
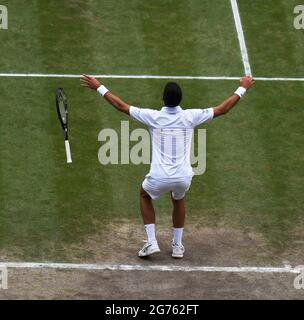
68	151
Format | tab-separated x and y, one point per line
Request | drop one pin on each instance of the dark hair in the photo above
172	94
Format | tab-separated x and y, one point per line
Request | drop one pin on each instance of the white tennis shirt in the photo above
171	130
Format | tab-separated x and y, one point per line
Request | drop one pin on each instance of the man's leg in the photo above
179	213
146	208
148	215
178	219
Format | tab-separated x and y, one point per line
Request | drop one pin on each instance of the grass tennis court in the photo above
254	176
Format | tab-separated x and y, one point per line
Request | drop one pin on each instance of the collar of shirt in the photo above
172	109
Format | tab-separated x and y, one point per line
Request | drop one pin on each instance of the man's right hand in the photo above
247	82
90	82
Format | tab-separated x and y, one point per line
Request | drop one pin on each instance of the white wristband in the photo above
240	91
102	90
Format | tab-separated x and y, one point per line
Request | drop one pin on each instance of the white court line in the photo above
278	79
168	268
116	76
120	76
240	32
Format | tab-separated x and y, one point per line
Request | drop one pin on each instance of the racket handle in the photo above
68	151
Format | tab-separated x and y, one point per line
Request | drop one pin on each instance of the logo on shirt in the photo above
3	17
173	149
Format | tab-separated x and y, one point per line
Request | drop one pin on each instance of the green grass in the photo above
137	37
254	154
274	45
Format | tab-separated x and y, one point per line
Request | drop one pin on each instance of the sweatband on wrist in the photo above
240	91
102	90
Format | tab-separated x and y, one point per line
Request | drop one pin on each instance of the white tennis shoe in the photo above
178	251
149	249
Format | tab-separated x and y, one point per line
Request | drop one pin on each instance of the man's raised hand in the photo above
90	82
247	82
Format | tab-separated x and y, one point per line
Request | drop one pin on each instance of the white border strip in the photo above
168	268
118	76
240	32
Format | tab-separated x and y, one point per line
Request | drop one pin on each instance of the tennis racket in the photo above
62	111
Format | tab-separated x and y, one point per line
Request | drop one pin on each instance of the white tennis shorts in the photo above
156	188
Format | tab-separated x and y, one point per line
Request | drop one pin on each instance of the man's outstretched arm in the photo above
246	83
94	84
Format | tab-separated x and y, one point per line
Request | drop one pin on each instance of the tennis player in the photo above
171	130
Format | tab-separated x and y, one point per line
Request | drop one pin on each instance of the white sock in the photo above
150	229
177	235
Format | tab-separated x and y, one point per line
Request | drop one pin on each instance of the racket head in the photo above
62	110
